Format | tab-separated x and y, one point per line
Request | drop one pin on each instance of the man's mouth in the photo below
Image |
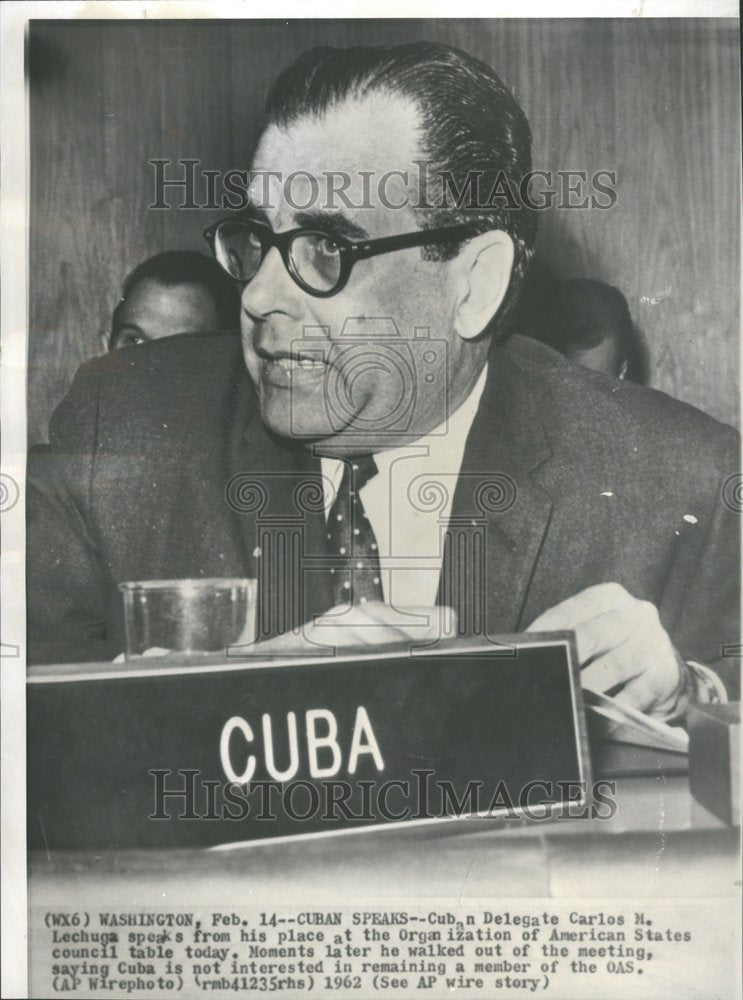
291	364
285	367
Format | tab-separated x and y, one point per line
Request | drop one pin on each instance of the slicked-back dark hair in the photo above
586	312
186	267
471	123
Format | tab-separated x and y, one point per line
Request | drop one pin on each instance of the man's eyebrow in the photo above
333	223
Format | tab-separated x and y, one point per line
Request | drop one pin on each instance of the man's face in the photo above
152	311
377	363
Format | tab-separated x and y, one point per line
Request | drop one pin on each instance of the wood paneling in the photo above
655	101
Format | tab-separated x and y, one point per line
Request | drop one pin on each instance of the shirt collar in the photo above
442	446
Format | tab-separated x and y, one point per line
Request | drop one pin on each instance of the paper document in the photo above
626	725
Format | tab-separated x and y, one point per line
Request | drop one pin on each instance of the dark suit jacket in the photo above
160	467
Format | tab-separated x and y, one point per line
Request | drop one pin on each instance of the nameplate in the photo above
178	754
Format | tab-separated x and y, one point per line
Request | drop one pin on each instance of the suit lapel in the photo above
497	526
275	489
499	515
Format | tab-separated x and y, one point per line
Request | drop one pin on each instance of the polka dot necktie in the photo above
355	576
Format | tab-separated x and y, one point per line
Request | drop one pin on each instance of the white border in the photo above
13	319
343	9
14	16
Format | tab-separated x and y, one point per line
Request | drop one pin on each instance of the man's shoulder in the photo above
170	361
616	415
191	377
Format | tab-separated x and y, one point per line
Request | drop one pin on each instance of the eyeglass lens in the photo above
317	261
239	250
314	258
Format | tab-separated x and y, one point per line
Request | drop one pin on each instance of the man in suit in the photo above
390	446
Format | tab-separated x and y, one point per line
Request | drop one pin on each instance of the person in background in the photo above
587	321
178	291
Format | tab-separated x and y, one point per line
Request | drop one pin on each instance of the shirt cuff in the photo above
710	689
700	686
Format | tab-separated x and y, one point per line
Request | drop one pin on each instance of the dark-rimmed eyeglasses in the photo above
317	261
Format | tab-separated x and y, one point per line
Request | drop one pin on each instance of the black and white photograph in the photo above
371	501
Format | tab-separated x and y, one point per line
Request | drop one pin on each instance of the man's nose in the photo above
271	290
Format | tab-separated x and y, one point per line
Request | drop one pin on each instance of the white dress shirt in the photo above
409	521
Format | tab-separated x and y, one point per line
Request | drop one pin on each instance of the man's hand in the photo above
365	627
622	647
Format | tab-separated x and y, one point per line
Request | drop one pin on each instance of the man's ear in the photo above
482	272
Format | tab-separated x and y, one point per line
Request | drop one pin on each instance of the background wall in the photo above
656	101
